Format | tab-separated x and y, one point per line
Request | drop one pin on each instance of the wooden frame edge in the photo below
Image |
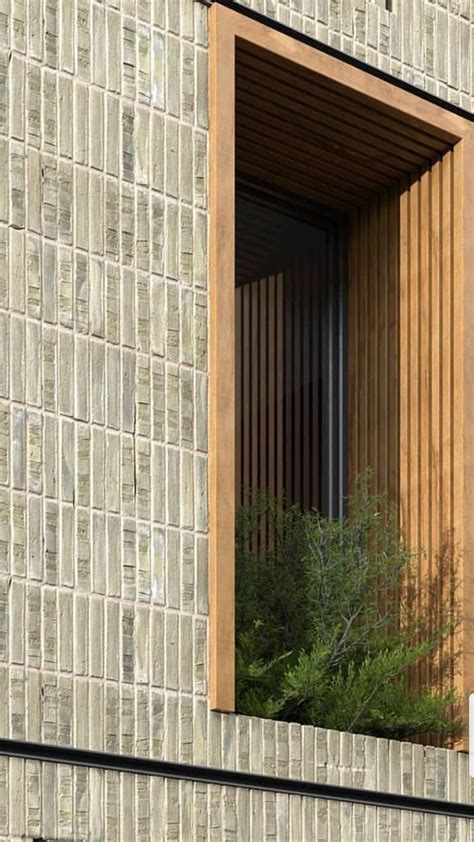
464	246
221	366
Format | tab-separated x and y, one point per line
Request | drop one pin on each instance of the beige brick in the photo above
113	381
67	460
142	143
129	559
17	185
34	292
3	268
18	448
17	359
143	479
49	367
112	148
143	231
16	254
97	215
173	560
113	52
35	452
144	63
81	372
157	151
158	565
98	552
35	538
17	97
4	444
66	124
49	283
49	95
50	456
112	471
98	44
4	200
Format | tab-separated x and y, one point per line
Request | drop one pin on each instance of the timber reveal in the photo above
297	130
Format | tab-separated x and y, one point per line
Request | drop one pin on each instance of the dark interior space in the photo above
290	268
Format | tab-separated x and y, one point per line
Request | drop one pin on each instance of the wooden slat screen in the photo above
405	418
373	341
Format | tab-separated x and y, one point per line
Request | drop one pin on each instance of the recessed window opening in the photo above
336	259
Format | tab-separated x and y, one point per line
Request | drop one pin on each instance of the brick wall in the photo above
62	802
103	422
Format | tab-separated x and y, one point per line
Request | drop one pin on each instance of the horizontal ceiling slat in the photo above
281	181
349	125
316	139
265	119
325	142
256	130
269	72
299	111
315	174
412	122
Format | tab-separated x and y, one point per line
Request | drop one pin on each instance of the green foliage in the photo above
324	635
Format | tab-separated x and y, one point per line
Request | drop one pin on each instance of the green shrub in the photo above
329	631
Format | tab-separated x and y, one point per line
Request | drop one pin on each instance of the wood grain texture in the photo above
373	380
221	369
405	380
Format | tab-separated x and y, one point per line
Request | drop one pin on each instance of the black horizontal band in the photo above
228	777
341	56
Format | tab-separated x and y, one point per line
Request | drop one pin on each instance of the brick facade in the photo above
103	426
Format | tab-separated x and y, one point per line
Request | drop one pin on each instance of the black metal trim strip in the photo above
227	777
347	59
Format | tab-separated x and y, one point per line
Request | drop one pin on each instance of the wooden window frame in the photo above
226	26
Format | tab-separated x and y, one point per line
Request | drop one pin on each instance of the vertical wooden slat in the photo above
238	392
435	527
279	406
394	377
408	298
447	370
461	511
362	350
354	369
413	396
307	446
405	367
263	383
381	336
246	386
463	199
272	358
296	384
316	467
255	380
424	387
